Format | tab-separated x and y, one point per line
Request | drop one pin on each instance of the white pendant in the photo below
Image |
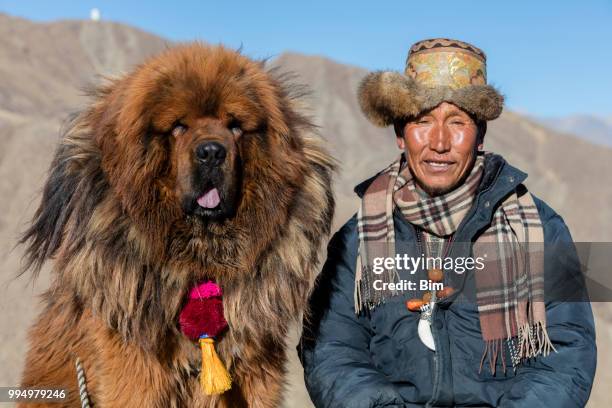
425	334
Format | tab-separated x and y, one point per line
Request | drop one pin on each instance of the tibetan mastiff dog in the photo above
197	166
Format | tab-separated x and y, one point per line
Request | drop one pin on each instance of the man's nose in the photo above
440	139
211	154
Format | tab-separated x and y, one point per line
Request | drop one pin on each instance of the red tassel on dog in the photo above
202	319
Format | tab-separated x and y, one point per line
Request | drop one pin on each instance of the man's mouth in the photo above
210	199
438	165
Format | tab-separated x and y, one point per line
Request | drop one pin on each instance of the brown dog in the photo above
194	166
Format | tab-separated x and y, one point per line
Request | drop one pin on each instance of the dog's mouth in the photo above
215	201
212	192
210	199
210	204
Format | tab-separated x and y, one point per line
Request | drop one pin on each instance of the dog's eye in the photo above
178	130
236	131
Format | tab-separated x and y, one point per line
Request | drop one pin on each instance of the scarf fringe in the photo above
366	301
532	340
358	296
362	296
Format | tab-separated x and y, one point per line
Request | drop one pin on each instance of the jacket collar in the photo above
499	178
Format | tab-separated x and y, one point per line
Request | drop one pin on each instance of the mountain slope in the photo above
592	128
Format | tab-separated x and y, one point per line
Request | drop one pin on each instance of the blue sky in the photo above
550	58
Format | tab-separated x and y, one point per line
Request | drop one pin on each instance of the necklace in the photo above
434	248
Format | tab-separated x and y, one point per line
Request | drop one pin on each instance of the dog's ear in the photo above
73	188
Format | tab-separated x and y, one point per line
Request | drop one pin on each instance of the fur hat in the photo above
437	70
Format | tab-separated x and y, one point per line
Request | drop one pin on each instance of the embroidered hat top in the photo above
437	70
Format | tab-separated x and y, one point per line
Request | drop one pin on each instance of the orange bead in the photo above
427	297
435	275
414	305
446	292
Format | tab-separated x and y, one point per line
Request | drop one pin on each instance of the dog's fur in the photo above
126	253
386	97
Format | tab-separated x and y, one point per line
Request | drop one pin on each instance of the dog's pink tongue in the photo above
210	199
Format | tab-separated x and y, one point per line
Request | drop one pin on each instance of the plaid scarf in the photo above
509	289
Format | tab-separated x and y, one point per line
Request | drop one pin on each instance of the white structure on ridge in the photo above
94	14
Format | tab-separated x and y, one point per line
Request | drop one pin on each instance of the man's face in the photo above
440	147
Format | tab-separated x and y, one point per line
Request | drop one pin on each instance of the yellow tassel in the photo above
214	377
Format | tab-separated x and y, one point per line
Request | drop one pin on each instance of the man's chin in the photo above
436	189
435	183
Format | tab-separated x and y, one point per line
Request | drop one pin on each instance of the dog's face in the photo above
191	129
204	160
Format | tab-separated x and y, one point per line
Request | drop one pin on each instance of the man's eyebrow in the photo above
455	113
426	115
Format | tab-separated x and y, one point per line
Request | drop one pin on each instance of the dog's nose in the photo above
211	154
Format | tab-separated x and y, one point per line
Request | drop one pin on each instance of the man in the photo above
496	332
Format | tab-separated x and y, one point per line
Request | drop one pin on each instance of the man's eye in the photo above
178	130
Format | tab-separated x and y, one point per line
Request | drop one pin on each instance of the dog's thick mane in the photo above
134	276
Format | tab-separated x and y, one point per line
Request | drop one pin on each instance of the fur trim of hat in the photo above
386	96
